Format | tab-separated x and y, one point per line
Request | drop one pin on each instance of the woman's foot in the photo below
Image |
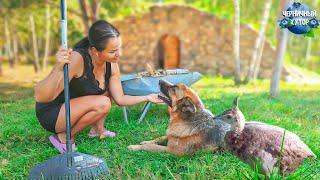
60	146
63	138
105	133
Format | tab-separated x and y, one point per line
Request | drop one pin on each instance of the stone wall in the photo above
205	41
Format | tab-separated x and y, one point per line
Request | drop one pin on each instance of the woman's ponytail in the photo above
83	43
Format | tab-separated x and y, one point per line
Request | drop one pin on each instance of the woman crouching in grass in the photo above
94	80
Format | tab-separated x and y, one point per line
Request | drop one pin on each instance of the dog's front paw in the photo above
147	142
134	147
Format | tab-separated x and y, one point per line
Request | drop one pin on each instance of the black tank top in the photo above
84	85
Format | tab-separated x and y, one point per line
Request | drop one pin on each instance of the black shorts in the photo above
47	114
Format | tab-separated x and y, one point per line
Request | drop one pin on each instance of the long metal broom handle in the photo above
64	43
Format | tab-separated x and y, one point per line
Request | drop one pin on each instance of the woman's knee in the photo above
103	105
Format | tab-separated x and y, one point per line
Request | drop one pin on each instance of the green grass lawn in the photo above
24	143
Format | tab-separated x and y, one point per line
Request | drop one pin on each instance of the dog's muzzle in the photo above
164	89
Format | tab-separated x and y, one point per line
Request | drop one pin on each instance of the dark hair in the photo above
99	33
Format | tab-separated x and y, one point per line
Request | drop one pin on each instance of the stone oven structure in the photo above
176	36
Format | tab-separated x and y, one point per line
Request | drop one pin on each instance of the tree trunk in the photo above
282	37
236	42
70	11
8	43
35	44
15	48
95	13
258	45
258	63
282	6
47	43
1	59
26	53
308	52
309	43
85	17
277	68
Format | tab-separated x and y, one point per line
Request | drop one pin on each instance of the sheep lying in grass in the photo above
255	143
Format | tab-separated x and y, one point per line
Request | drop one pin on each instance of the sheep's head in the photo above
233	116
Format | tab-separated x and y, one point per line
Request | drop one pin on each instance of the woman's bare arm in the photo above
50	87
116	91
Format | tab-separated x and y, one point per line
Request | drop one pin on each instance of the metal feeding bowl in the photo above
144	83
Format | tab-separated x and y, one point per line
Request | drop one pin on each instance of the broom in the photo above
69	165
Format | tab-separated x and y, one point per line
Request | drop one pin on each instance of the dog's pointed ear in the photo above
179	93
189	109
187	106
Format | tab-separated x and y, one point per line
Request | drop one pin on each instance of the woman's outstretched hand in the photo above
63	57
154	98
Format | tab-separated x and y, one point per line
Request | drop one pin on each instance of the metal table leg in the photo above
125	114
144	106
144	111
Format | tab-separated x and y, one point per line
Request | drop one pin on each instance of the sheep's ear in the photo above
236	102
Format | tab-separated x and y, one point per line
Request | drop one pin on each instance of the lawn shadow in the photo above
12	92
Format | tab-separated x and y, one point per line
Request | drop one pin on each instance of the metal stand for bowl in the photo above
145	109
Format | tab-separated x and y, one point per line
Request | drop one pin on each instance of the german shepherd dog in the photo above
191	128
